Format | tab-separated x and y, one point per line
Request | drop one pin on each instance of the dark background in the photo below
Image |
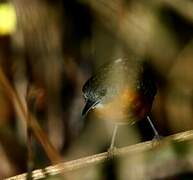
57	45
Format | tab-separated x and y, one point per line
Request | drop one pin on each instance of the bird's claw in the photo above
156	140
111	152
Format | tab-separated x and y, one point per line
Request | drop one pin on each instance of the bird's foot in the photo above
111	152
156	140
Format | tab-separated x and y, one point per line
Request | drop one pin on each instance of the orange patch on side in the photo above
120	108
127	107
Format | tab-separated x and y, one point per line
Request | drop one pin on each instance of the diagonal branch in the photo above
102	157
23	114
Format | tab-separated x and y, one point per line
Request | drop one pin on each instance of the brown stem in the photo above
38	132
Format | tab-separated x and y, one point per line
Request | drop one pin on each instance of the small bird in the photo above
121	91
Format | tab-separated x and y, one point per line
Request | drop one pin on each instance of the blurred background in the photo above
48	49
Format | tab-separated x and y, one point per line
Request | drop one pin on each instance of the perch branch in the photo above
102	157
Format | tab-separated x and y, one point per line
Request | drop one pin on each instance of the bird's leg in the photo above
114	136
156	134
112	146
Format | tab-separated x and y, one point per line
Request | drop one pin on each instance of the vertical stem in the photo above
30	161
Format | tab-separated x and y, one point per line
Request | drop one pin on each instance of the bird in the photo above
121	91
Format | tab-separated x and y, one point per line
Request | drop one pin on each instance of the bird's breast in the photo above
126	107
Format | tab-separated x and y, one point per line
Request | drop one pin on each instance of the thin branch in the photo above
102	157
185	7
22	113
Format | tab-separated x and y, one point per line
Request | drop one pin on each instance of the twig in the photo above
102	157
185	7
38	132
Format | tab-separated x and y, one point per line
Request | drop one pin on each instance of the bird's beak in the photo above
88	106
